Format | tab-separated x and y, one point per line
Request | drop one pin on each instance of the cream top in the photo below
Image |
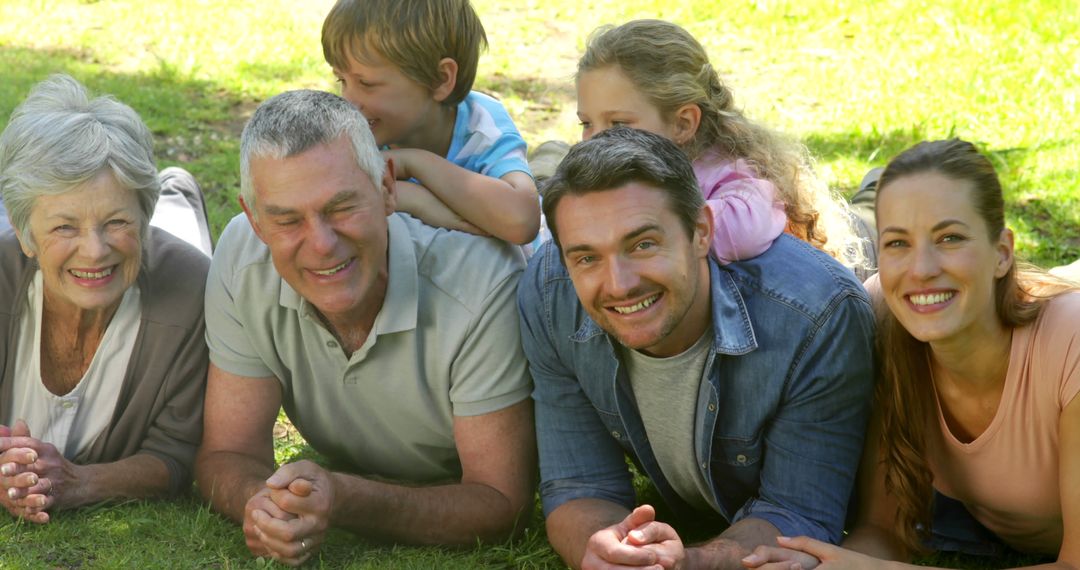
73	421
1008	476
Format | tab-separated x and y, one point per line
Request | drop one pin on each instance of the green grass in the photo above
857	81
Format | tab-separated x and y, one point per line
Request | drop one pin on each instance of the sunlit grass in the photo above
857	81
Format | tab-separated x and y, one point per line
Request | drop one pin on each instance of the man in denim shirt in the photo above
740	390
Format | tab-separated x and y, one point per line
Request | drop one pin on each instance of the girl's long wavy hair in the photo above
672	69
904	395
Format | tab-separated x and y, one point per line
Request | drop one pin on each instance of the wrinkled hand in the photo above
305	491
262	504
637	541
25	491
831	557
779	558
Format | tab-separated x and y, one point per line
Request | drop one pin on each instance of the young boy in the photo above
409	66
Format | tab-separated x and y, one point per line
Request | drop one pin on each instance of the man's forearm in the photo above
570	526
228	480
446	514
727	550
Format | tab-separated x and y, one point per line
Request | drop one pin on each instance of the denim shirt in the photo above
780	421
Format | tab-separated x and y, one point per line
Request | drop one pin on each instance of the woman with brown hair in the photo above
977	442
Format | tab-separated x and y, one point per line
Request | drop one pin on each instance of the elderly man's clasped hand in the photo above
288	519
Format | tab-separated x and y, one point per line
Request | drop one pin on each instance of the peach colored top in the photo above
1008	476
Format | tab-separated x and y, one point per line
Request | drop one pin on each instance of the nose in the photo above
321	238
94	244
925	263
351	94
622	278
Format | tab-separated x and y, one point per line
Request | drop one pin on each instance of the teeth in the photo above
636	307
332	270
92	274
931	299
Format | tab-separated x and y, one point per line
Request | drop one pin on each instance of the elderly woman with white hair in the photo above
102	353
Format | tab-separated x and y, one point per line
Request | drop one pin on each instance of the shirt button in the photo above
712	407
331	344
67	405
741	459
703	465
616	434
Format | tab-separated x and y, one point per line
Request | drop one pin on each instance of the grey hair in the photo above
59	138
292	122
619	156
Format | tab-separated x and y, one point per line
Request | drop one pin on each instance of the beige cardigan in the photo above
160	407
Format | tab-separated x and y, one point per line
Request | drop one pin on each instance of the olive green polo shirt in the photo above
445	343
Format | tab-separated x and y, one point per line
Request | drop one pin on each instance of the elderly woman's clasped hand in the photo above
25	468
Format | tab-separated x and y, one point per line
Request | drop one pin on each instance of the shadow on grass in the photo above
545	99
1042	209
196	123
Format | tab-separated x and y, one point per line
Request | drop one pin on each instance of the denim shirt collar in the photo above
733	332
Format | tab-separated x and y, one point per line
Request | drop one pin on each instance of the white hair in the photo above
292	122
59	138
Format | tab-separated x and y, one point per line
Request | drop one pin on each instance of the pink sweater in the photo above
747	217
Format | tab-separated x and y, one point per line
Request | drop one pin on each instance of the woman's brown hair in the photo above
904	395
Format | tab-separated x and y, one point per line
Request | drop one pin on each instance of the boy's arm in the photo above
506	207
419	202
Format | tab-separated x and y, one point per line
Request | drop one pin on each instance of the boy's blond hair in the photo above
413	34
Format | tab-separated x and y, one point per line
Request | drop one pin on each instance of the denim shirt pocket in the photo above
736	469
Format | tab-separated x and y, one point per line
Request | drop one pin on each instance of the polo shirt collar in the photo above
733	332
402	301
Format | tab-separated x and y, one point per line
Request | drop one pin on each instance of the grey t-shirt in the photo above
666	391
445	343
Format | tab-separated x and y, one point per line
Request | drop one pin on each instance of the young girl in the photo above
653	75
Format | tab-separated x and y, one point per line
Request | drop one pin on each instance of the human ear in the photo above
24	245
1005	252
686	121
388	183
703	230
249	212
448	69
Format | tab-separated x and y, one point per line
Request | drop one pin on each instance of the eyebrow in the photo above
630	236
342	196
69	218
611	112
937	227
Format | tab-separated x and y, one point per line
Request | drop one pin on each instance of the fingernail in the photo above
11	493
752	559
782	539
33	479
7	469
638	535
33	457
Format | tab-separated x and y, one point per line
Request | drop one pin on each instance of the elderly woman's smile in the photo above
87	244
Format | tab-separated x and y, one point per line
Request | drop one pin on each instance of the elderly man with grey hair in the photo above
102	353
392	346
